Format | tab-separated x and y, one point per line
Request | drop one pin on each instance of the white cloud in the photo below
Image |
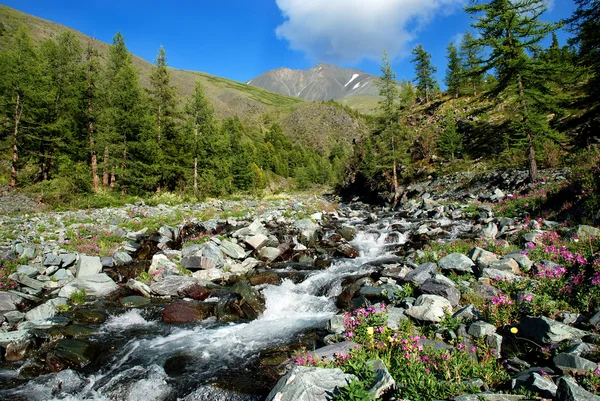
349	30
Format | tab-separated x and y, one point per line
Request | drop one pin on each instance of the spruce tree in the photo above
92	71
19	75
512	30
454	73
470	53
450	141
426	82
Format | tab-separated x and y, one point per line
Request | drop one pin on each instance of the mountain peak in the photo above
321	82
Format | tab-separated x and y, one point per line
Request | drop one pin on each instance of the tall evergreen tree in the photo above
454	73
512	29
20	72
92	80
585	24
201	122
470	53
163	98
426	82
388	90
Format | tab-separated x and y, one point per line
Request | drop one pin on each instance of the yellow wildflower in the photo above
514	330
370	331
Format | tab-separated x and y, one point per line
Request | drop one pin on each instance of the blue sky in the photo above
240	39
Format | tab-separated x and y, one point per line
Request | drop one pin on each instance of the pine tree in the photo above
426	82
20	72
471	54
450	141
512	30
388	90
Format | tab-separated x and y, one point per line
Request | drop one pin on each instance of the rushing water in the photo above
209	349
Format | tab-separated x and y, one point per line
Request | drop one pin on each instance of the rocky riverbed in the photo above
212	301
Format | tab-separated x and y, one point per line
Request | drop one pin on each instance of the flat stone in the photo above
187	311
421	273
28	271
44	324
506	264
14	316
173	285
308	384
7	337
547	331
441	288
395	316
87	266
67	259
329	352
499	275
269	254
232	250
134	301
122	258
108	262
525	264
481	329
481	257
9	301
257	241
27	281
96	285
52	260
383	380
534	381
45	310
595	320
573	364
456	262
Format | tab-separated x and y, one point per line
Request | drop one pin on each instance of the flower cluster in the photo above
366	325
550	272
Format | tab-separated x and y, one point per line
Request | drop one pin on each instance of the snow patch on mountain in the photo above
351	79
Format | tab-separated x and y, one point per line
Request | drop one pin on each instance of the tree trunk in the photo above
124	173
105	168
90	126
15	149
112	177
533	172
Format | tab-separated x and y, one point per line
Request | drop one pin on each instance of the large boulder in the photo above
569	390
421	273
456	262
9	301
429	308
87	266
46	310
173	285
309	384
96	285
442	288
547	331
187	311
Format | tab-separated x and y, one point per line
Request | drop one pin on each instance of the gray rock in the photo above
573	364
162	266
45	310
232	250
421	273
269	254
429	308
525	264
13	336
257	241
481	329
28	271
347	232
108	262
308	384
329	352
506	264
456	262
547	331
595	320
122	258
14	316
467	314
583	231
335	325
494	341
441	288
140	287
383	380
490	231
536	382
305	224
96	285
62	274
27	281
87	266
9	301
52	260
28	252
67	259
482	257
395	316
44	324
569	390
500	275
173	285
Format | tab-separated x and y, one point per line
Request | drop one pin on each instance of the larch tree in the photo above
388	106
92	79
163	99
20	72
425	80
512	29
454	73
471	53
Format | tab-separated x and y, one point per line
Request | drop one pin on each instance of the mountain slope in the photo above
322	82
251	104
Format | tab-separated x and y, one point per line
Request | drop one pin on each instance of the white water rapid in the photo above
135	371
